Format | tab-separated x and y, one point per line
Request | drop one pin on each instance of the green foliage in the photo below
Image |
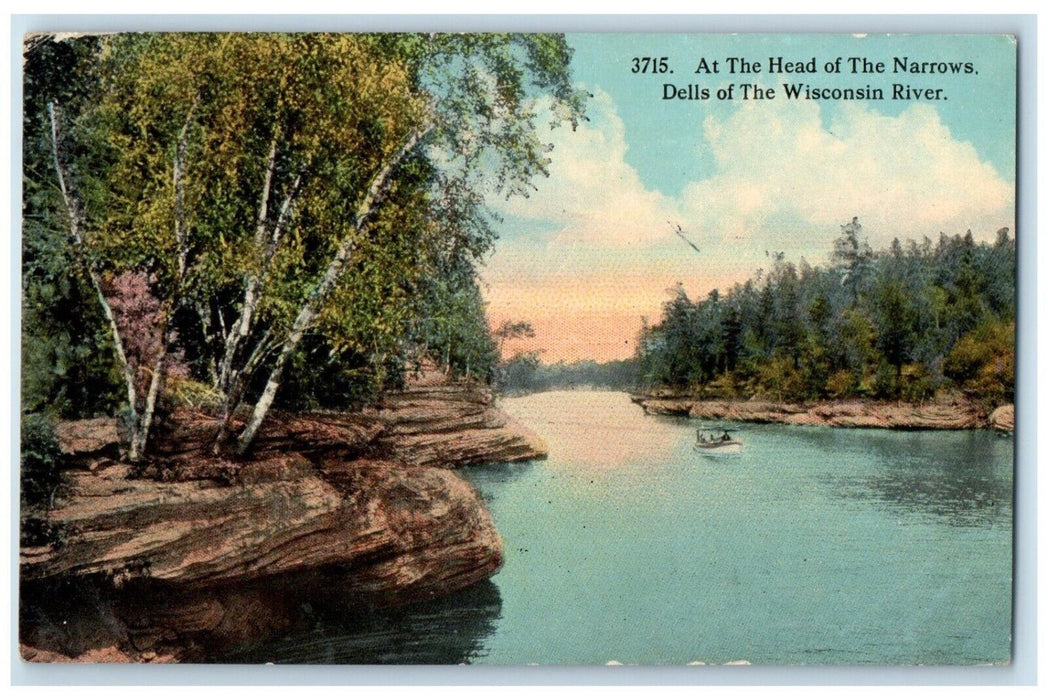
517	375
781	379
321	378
63	370
41	475
902	323
208	161
918	383
840	384
180	391
454	329
982	362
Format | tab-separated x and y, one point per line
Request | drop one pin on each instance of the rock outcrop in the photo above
949	413
194	553
434	425
1003	418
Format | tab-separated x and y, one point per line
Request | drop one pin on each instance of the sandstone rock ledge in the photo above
1003	418
209	554
948	413
453	425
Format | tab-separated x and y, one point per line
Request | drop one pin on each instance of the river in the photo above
812	546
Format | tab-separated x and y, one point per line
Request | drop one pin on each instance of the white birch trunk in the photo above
237	386
233	381
241	327
156	385
167	333
76	233
308	313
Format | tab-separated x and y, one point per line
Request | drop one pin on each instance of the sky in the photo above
593	251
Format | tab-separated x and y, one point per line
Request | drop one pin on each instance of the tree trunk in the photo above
308	313
76	233
242	325
156	385
167	332
237	385
232	383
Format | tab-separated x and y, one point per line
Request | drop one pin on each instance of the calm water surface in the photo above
813	546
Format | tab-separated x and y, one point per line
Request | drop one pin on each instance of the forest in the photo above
899	324
247	221
525	373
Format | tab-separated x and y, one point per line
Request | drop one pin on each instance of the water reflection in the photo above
954	477
594	428
449	630
488	479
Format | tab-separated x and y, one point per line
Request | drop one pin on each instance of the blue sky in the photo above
980	109
593	250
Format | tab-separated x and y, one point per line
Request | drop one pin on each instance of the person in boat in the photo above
725	437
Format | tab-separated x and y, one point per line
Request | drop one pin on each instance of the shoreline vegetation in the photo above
945	413
919	323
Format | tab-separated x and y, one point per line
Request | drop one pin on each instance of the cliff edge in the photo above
195	554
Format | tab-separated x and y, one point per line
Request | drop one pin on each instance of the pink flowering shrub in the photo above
138	316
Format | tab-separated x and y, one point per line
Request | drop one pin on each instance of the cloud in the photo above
781	179
592	195
593	241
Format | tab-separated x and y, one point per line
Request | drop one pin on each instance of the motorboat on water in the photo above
716	441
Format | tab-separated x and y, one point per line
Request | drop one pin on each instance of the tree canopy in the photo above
899	323
278	207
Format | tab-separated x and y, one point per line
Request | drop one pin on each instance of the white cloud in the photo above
781	181
781	175
592	195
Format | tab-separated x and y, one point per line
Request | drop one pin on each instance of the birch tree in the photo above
141	408
476	116
263	179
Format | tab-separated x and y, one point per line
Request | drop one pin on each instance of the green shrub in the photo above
781	381
886	381
917	382
41	476
841	384
982	363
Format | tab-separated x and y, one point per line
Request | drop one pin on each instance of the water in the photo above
813	546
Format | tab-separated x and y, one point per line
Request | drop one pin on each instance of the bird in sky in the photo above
680	233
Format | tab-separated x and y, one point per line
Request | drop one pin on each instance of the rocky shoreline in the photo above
194	554
947	413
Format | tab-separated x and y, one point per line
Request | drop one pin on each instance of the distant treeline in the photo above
524	373
900	323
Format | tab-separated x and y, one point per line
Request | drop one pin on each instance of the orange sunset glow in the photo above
584	316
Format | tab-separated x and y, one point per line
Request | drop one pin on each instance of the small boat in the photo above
716	441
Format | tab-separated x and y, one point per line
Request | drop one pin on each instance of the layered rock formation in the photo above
952	413
432	425
195	554
1003	418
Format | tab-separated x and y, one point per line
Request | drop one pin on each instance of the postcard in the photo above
546	349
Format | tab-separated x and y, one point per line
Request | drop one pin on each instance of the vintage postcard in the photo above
518	349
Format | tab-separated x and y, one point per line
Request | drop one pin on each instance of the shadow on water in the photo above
449	630
952	476
488	479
